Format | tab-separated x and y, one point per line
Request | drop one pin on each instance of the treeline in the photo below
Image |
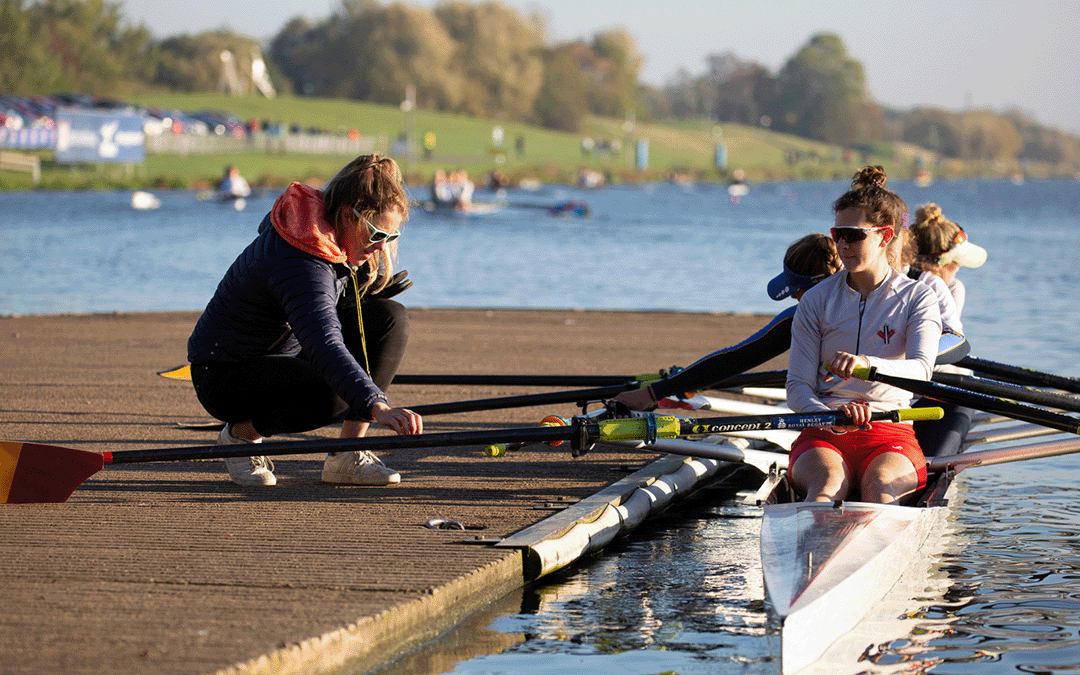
488	60
483	59
821	93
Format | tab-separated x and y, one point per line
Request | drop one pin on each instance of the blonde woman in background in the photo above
942	248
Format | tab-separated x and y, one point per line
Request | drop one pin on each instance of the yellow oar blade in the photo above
178	373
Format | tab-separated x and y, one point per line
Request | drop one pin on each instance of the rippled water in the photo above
683	595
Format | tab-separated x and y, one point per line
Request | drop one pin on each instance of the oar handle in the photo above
917	414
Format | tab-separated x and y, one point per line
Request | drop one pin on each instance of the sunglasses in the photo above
375	235
854	234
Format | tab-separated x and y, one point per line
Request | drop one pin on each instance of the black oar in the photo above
525	400
1020	375
767	378
37	473
1011	391
970	399
184	373
580	396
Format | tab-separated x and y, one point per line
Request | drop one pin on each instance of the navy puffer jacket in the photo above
280	297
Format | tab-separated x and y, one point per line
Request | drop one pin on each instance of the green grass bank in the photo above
686	151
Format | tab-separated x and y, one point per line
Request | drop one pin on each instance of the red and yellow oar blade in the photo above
31	473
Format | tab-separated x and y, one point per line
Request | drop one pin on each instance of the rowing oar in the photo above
765	378
579	396
1020	375
965	460
971	399
184	373
1012	391
669	426
38	473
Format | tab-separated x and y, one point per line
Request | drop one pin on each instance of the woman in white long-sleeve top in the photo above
869	315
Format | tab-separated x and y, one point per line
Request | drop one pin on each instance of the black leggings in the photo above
946	435
285	394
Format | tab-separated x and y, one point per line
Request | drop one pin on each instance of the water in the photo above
684	594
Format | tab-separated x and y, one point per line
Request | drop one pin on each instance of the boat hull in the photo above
825	566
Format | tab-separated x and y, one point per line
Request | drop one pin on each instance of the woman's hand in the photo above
859	412
843	364
402	420
637	399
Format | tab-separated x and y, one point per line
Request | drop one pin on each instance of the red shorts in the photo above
859	448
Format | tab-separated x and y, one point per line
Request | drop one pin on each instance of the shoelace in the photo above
262	462
365	457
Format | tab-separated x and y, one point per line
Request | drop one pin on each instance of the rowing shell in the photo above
826	566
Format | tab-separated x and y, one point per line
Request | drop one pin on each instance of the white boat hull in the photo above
826	566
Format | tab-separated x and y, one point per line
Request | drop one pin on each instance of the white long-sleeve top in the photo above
897	327
950	313
959	293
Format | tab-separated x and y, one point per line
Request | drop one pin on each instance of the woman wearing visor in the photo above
807	261
270	354
869	315
936	250
942	248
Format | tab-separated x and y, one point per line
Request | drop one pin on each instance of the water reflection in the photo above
998	592
682	595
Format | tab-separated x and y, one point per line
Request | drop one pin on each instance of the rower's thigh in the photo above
819	465
888	477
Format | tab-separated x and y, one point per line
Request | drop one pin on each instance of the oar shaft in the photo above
970	399
764	378
1020	375
966	460
524	401
580	430
1012	391
370	443
519	380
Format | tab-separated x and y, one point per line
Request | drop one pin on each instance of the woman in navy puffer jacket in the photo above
271	354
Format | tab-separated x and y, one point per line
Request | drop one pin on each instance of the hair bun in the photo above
929	214
870	176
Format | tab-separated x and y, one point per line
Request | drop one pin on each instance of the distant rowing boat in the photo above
473	210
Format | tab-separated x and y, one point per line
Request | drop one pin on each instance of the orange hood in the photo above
298	217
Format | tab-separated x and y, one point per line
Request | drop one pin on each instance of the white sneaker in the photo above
358	468
247	470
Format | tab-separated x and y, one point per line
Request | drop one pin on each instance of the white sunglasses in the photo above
375	235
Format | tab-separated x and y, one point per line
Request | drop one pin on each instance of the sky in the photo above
953	54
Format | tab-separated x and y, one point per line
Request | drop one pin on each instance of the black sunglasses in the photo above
854	234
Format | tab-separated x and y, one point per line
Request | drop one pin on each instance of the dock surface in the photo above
171	568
